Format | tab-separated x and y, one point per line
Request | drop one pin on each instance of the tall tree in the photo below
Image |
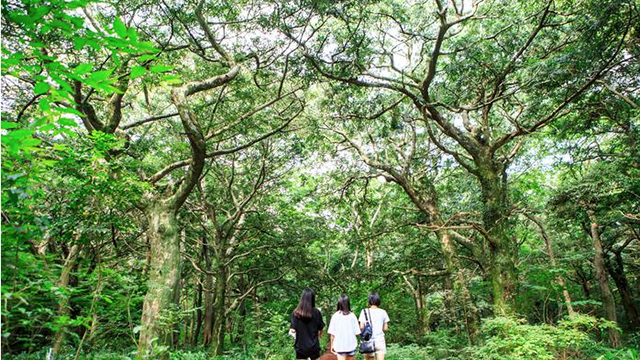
467	70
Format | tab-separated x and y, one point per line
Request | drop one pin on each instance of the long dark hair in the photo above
306	305
344	306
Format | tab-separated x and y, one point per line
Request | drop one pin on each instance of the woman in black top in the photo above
306	326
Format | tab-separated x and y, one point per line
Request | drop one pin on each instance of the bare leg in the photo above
343	357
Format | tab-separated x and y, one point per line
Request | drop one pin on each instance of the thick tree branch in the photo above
239	299
182	163
211	37
148	120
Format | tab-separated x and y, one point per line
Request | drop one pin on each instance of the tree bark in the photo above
93	329
164	273
424	314
608	302
178	295
616	270
552	260
242	311
63	303
497	230
208	311
208	296
198	327
219	311
164	240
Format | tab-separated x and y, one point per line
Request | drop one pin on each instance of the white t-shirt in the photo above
377	318
344	328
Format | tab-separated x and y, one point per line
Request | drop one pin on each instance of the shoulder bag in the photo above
367	346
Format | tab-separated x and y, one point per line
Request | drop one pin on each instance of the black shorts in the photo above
312	353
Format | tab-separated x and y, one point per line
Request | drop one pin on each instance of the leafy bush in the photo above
415	352
622	354
444	344
509	338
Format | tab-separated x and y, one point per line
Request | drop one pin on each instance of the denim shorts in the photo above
349	353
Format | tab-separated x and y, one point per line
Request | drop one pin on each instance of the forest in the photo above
176	172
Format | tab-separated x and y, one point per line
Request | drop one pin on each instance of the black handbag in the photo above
367	346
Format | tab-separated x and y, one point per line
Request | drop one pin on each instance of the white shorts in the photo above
380	344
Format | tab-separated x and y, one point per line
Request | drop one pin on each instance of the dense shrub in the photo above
510	338
500	338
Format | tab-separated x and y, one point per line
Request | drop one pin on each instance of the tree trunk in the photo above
93	329
63	303
147	262
459	285
608	302
369	253
219	311
552	260
497	228
427	202
178	294
164	272
196	332
419	299
208	310
208	296
616	270
242	311
424	314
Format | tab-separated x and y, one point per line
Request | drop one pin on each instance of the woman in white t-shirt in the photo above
379	321
343	329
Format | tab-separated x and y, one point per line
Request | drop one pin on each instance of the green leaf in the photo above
44	104
144	58
120	28
47	127
69	110
82	69
31	142
9	125
41	88
48	162
137	71
78	43
160	68
171	79
67	122
19	134
101	75
63	84
133	35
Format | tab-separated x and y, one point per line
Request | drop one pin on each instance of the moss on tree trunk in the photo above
498	231
164	272
219	312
